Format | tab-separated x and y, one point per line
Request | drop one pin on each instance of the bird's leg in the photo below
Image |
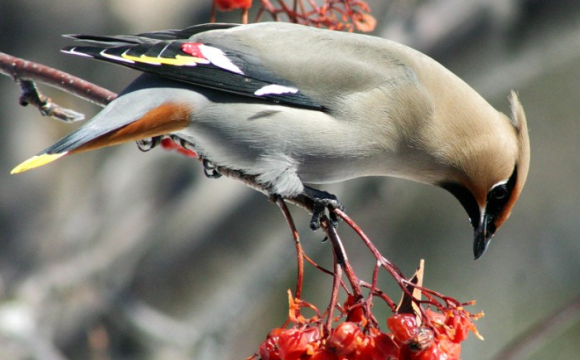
210	170
322	201
148	144
184	143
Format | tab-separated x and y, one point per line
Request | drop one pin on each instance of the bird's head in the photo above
492	175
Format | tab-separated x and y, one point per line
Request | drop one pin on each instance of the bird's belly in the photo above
284	146
334	169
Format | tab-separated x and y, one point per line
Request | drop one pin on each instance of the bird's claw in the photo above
148	144
210	170
322	201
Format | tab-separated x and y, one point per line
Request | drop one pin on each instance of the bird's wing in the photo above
223	65
154	36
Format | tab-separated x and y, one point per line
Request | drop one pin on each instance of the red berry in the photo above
355	314
403	327
345	339
459	321
436	318
322	354
268	350
293	343
377	346
187	152
366	350
168	144
441	349
432	353
226	5
385	347
452	349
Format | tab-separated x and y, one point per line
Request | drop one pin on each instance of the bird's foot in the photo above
210	170
148	144
322	201
188	145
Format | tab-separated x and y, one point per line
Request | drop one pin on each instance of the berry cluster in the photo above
334	14
347	341
438	337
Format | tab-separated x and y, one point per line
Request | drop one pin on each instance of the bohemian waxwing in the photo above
291	104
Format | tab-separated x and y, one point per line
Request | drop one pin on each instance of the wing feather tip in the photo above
72	50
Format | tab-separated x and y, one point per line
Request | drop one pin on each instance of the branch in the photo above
25	72
32	96
300	200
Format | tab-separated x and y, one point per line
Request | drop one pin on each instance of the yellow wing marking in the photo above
179	60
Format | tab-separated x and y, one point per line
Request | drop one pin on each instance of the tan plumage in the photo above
294	105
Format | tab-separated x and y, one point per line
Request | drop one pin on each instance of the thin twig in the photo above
212	17
244	16
343	260
299	251
32	96
389	266
381	295
336	280
20	69
409	287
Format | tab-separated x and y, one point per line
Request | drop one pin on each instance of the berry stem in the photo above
299	251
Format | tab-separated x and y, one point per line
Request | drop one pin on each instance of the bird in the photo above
293	106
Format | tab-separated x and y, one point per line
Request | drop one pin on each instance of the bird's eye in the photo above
496	199
499	196
499	192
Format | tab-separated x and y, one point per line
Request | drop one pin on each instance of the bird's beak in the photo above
483	234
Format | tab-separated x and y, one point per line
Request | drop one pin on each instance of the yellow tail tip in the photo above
36	161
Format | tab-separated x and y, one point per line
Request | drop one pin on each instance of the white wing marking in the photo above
275	89
219	59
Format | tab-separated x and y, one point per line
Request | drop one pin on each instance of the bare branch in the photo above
32	96
300	200
20	69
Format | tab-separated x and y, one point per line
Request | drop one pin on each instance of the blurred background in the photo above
119	254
